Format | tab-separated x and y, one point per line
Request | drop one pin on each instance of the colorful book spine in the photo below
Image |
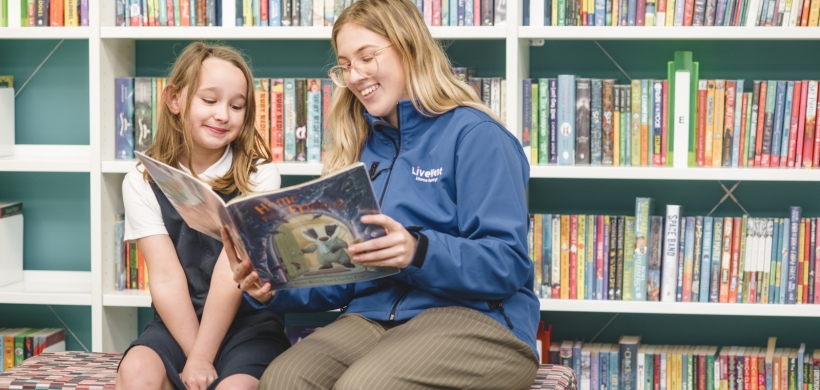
290	119
643	213
672	238
124	139
588	122
566	119
794	232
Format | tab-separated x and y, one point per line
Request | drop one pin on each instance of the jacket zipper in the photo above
396	304
396	156
497	305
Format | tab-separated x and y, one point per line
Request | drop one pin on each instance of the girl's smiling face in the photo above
217	111
381	92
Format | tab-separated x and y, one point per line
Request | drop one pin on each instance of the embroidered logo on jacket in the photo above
428	176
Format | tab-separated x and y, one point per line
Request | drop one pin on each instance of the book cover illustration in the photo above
295	236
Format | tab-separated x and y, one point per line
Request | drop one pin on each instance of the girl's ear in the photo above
172	99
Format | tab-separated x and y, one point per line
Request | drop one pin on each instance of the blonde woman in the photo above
451	183
203	335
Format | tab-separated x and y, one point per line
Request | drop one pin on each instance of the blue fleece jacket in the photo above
457	181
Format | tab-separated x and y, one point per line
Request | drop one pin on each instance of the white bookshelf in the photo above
277	33
112	54
682	308
48	158
127	298
670	33
45	33
49	288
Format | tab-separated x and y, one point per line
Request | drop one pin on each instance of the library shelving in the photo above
113	52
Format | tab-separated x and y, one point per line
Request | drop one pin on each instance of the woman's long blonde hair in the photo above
173	139
430	82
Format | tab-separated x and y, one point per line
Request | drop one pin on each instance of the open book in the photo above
295	236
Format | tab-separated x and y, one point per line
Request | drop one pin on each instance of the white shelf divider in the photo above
658	173
127	298
279	33
49	288
687	308
48	158
44	33
670	33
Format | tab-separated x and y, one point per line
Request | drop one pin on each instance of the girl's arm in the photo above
217	316
169	289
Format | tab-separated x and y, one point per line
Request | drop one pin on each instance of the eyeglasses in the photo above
366	66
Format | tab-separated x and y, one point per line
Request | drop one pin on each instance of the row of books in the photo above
290	113
44	13
18	344
275	13
791	13
630	365
677	259
132	272
579	121
773	126
170	12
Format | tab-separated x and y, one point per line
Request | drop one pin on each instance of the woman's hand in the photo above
244	274
198	373
395	249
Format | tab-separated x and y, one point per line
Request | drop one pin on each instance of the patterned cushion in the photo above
554	377
64	370
98	371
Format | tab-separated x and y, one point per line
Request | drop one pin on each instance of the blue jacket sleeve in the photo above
306	300
489	259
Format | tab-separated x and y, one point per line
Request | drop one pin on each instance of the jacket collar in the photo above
411	122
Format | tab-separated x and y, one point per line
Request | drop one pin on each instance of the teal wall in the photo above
60	89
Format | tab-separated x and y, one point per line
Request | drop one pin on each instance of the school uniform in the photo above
255	337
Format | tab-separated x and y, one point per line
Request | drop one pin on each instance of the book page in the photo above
201	208
298	236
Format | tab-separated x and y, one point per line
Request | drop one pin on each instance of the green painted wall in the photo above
78	319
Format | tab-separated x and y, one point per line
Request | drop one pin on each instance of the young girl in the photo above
203	335
451	182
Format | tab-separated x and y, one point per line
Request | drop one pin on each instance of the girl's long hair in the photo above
430	82
173	140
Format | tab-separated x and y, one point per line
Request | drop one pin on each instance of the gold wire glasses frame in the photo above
366	65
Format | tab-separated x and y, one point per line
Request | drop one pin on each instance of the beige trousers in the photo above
441	348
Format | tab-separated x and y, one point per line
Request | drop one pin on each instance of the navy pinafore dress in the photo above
254	338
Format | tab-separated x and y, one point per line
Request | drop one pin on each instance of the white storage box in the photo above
6	122
11	249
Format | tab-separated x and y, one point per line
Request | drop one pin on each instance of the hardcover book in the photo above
295	236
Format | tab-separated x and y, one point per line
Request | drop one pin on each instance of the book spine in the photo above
700	154
314	121
124	140
653	274
688	259
588	125
761	123
526	118
607	144
794	231
696	257
635	136
794	124
556	256
566	119
726	259
811	115
10	210
553	121
643	213
277	119
739	115
717	250
142	113
670	253
629	258
706	263
786	118
543	122
290	119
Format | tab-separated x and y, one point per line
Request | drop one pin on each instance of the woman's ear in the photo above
171	97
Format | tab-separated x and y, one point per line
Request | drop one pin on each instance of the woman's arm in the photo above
169	290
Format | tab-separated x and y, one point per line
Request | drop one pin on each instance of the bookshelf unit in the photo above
112	52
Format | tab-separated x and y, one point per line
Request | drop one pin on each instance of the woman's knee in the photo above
142	368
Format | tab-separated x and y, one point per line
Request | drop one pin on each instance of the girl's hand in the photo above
395	249
244	274
198	373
